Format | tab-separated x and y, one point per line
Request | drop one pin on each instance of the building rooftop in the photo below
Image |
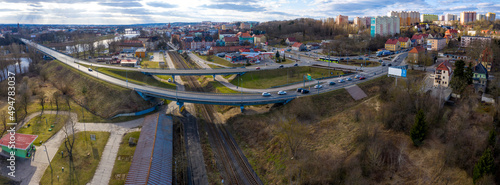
417	49
391	41
297	44
23	141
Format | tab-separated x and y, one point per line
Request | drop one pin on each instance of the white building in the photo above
450	17
361	21
384	25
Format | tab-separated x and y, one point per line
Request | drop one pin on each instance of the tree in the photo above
55	97
492	138
459	80
293	133
469	74
419	129
41	97
485	165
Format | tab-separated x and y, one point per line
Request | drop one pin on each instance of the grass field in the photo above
218	60
287	61
41	124
134	77
86	157
269	78
219	88
123	159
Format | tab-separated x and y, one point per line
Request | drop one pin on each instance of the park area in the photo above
45	126
124	159
86	156
270	78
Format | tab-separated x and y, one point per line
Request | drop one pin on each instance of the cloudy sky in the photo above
164	11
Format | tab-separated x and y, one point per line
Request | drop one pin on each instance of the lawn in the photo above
218	60
269	78
287	61
86	156
359	62
217	87
41	124
135	77
123	159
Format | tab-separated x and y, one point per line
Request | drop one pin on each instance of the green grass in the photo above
7	181
218	60
40	126
219	88
86	156
287	61
134	77
149	64
269	78
123	159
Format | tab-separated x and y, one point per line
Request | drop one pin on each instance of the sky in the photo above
165	11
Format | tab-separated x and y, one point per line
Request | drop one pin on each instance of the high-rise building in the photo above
368	21
480	17
406	18
384	25
490	16
466	17
428	17
342	19
450	17
362	21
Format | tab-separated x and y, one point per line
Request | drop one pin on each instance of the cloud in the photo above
161	5
235	7
124	4
281	13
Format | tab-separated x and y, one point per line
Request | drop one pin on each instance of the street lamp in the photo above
47	157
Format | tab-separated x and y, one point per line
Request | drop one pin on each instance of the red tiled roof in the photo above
258	36
245	35
291	39
231	39
451	31
392	41
23	141
416	37
403	39
444	66
132	41
417	49
297	44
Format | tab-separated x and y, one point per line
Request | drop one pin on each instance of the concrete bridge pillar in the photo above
242	108
214	77
173	78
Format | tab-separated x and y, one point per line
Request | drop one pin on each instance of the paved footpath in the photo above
30	171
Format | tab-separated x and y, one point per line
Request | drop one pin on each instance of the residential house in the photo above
290	40
415	53
226	33
312	45
486	58
436	44
259	39
405	42
299	46
451	32
130	44
245	38
231	41
480	77
141	52
419	39
442	75
392	45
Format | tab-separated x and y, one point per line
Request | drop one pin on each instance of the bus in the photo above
333	60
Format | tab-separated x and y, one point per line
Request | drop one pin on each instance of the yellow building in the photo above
392	45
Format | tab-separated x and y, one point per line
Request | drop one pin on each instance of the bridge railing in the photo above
260	99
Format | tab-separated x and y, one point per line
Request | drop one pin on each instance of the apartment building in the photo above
436	44
450	17
442	75
384	25
490	16
465	41
342	19
466	17
406	18
428	18
480	17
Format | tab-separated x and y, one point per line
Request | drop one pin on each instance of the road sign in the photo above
396	71
92	137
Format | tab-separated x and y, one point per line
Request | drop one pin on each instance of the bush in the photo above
419	130
485	165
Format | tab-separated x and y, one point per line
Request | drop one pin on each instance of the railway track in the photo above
236	167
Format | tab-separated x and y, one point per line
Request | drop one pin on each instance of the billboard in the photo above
397	72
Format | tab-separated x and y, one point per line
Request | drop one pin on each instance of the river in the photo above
25	62
69	49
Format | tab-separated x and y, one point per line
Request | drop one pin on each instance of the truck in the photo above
383	53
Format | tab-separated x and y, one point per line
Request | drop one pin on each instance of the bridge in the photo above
180	96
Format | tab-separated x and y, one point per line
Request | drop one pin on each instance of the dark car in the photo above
295	65
281	66
389	64
305	91
299	90
332	83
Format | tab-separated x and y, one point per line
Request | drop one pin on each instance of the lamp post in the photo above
47	157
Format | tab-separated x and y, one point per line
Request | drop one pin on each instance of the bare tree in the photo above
293	134
41	97
55	97
15	49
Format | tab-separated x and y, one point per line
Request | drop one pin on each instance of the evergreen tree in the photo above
459	80
485	165
419	129
469	74
492	138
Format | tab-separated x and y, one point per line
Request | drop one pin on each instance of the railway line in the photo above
236	168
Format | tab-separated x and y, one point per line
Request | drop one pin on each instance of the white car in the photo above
90	69
169	80
266	94
341	80
281	92
318	86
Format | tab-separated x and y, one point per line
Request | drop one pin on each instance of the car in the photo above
362	78
265	94
299	90
169	80
151	57
383	64
305	91
281	92
341	80
341	59
257	68
380	61
367	58
389	64
318	86
90	69
357	76
243	67
366	55
332	83
281	66
295	65
349	79
347	58
360	58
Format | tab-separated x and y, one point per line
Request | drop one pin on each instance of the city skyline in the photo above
148	11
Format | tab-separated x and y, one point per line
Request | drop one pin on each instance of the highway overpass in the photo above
180	96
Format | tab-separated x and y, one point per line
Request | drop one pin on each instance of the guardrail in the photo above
322	78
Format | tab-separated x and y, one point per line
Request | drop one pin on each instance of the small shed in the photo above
21	144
